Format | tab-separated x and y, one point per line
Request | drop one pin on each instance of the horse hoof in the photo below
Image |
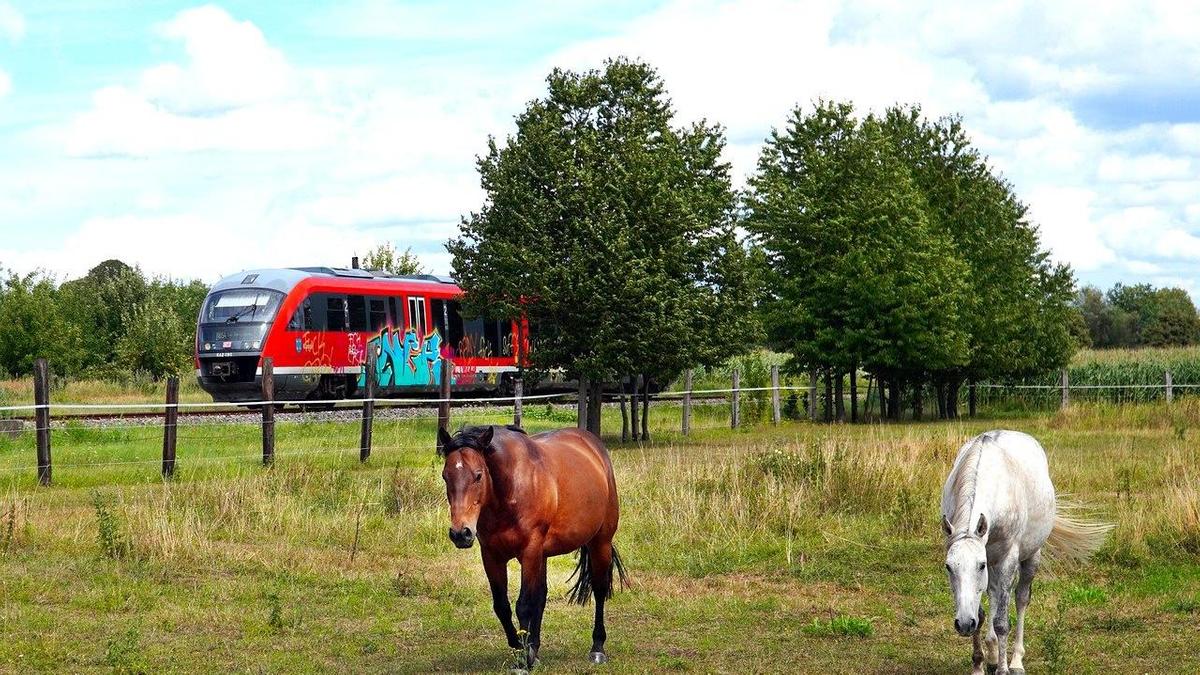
597	657
991	669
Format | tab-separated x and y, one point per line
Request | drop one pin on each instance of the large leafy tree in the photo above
612	229
857	276
1017	313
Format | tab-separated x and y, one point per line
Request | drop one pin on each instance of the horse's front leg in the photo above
531	603
999	588
977	647
497	575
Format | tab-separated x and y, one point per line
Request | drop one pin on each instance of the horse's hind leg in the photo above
600	563
1024	593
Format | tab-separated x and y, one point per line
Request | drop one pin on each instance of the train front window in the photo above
244	306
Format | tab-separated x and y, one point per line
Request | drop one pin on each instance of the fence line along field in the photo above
766	548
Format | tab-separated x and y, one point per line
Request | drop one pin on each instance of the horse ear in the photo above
982	527
443	439
485	439
946	526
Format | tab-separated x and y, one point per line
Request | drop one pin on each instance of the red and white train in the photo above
317	324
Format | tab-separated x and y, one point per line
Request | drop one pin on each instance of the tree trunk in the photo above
622	393
917	401
894	400
839	401
867	398
854	394
645	408
595	400
828	396
882	387
952	399
633	407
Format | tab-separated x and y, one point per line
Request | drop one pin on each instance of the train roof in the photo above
285	279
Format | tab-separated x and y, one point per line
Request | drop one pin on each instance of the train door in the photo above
416	315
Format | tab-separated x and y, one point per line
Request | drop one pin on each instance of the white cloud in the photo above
241	141
234	93
12	24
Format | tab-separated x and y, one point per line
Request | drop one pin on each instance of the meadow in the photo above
797	548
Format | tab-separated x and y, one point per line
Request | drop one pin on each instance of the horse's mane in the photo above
966	480
468	436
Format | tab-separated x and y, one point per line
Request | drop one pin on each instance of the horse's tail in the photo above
1073	537
581	591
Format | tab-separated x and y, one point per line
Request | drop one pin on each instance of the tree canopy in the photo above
612	229
892	246
1138	315
385	257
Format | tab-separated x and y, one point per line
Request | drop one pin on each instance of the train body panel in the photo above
319	324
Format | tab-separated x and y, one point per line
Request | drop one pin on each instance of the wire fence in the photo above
77	436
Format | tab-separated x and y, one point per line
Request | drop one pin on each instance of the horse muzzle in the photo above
463	538
966	627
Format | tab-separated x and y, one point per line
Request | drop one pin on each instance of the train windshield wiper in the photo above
233	318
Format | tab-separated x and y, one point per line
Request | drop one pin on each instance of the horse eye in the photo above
478	476
981	566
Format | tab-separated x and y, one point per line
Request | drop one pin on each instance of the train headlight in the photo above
207	346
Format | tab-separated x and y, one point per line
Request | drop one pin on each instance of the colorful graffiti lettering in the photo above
402	358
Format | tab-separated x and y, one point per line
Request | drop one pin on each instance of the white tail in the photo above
1074	538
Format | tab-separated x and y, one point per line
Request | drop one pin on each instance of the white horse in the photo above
998	511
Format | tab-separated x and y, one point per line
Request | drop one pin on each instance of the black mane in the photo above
469	437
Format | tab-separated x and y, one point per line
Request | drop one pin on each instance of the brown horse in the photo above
529	498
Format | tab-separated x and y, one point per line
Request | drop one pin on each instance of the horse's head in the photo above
468	483
966	563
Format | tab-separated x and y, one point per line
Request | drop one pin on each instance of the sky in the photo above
198	140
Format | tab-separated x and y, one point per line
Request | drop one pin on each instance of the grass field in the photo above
802	548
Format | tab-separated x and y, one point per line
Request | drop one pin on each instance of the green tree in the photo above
99	303
612	230
856	274
155	341
34	325
1018	312
386	258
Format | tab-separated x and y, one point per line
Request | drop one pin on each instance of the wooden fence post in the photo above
170	419
268	411
581	404
735	411
41	398
1066	395
812	395
1170	388
368	408
518	393
775	394
687	402
444	404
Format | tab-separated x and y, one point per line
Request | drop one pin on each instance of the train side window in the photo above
377	309
397	305
302	318
335	313
357	312
416	314
454	329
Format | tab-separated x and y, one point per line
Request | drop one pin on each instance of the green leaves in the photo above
611	229
889	243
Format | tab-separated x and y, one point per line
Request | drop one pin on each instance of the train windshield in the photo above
241	306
